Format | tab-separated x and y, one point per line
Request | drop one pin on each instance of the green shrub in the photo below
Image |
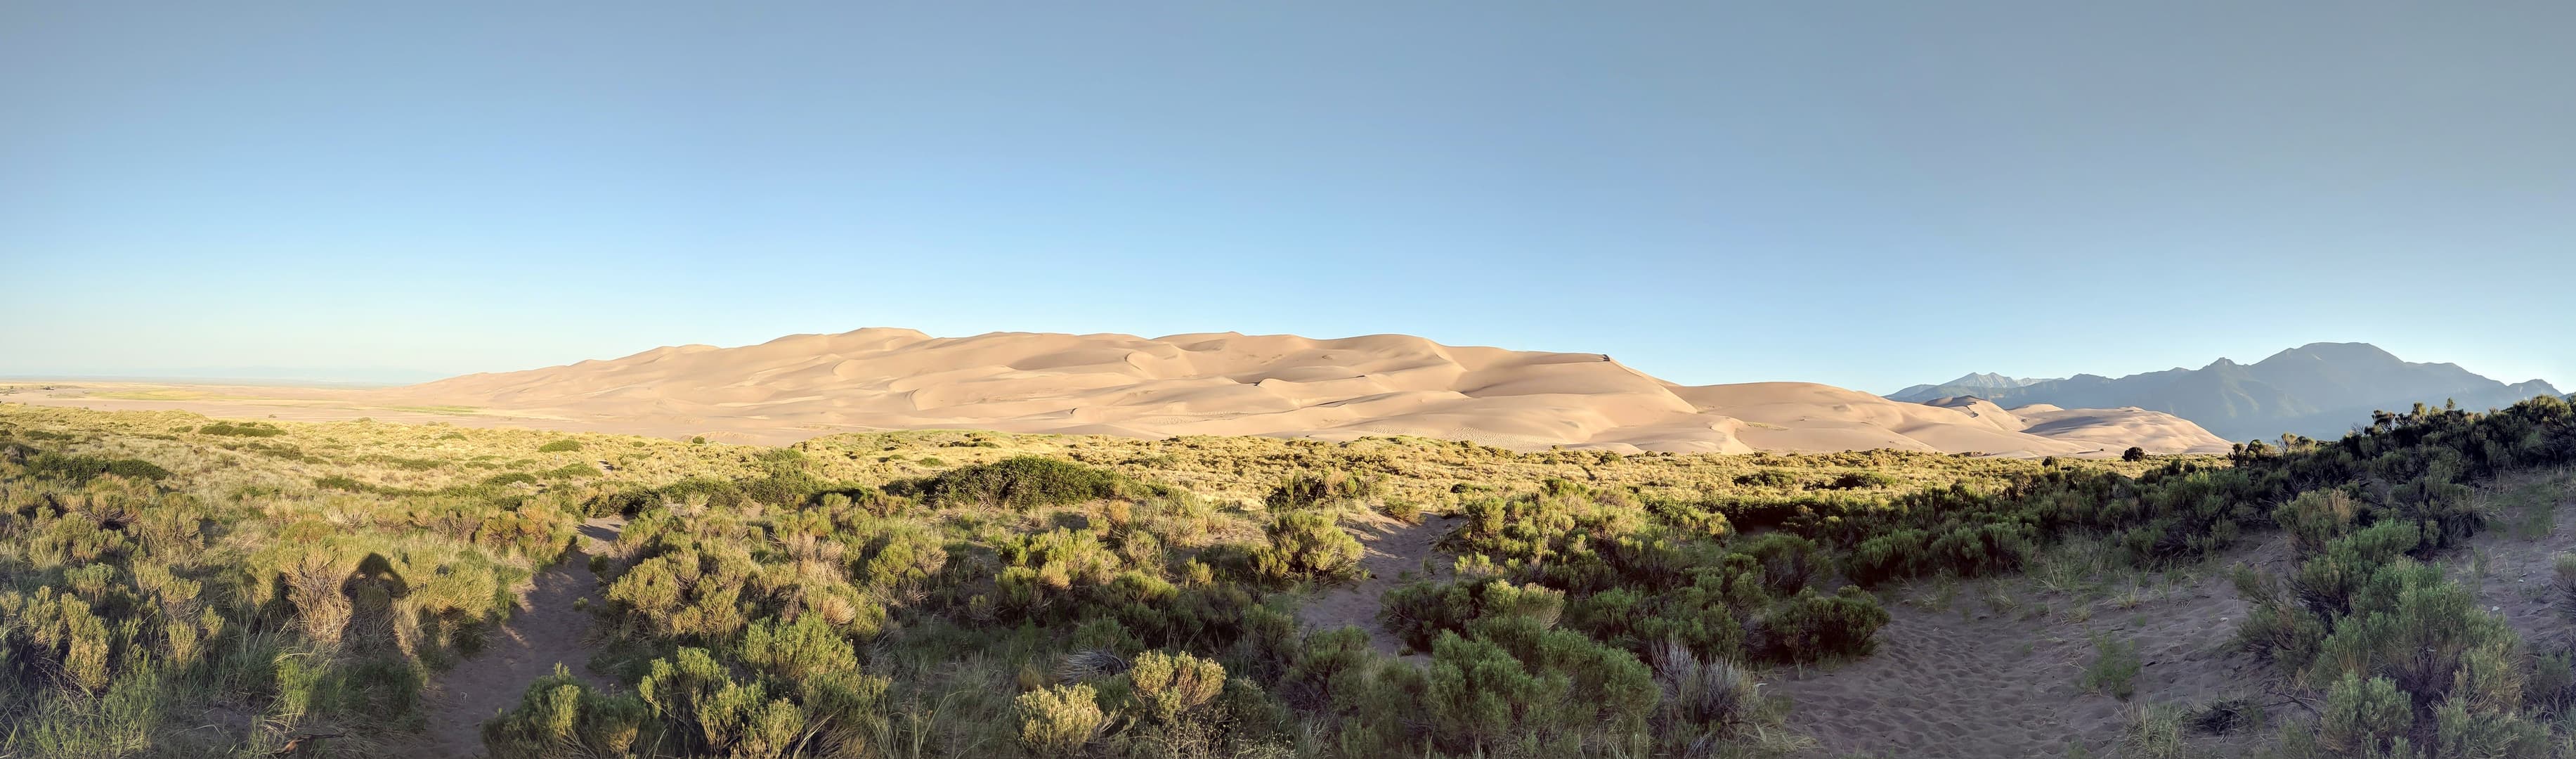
242	429
1813	627
1859	480
511	478
2315	518
560	717
1700	616
1480	699
79	470
1787	561
1306	545
1767	478
570	471
1024	482
2550	688
715	714
1418	612
560	446
2276	628
807	649
1402	510
1058	720
2462	729
1168	688
1611	688
2415	631
2365	718
2329	582
1305	489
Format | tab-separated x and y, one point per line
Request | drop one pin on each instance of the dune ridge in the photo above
1278	385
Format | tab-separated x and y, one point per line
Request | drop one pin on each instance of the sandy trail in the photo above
545	630
1996	670
1394	555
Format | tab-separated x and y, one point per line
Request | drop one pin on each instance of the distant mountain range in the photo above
1973	384
2320	390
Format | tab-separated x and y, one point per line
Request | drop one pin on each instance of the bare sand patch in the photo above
1994	668
1395	553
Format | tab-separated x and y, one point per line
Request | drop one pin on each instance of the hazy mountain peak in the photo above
2336	352
1989	379
2319	389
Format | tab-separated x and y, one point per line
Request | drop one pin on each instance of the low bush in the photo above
2368	718
1787	561
241	429
560	717
560	446
1305	489
1170	689
79	470
1306	545
573	470
505	479
1402	510
1480	699
1058	720
1704	701
1023	482
1767	478
1811	626
1418	612
1859	480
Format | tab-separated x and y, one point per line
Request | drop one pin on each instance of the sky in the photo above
1868	195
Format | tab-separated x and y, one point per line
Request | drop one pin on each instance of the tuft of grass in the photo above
2563	582
2153	731
2114	671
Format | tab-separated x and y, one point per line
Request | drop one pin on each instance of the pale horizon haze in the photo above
1863	195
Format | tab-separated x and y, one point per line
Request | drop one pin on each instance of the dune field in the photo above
802	386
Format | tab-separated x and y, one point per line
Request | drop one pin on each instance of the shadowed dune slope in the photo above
1280	385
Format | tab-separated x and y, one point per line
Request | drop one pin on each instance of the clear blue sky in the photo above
1864	194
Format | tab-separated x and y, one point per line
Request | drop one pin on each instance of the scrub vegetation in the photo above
177	586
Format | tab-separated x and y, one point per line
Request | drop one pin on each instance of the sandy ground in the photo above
1996	670
2513	564
546	630
1201	384
1395	553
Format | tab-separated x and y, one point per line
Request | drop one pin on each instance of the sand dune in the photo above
1282	385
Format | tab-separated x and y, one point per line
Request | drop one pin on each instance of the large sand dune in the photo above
1233	384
